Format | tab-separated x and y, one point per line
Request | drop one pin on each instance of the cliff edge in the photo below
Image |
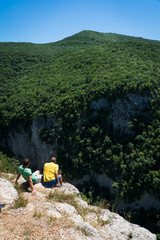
59	213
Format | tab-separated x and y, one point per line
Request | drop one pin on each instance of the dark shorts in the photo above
52	183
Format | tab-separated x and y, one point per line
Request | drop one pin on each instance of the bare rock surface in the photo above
118	228
60	213
8	193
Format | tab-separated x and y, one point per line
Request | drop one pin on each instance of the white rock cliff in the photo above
49	218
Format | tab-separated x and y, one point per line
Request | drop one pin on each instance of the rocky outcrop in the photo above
61	213
8	193
27	143
119	228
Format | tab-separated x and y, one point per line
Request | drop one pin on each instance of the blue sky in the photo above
43	21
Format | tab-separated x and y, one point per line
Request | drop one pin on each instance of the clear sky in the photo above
43	21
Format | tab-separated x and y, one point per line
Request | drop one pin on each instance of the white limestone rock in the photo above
70	189
118	228
98	224
106	215
88	229
69	211
44	207
39	187
67	188
8	194
81	203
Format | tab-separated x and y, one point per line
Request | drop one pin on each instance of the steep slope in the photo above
91	99
51	72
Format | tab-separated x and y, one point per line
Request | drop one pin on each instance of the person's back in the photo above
25	172
49	171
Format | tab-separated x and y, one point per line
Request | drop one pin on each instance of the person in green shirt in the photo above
27	174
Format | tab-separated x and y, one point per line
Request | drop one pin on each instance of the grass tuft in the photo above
20	202
37	214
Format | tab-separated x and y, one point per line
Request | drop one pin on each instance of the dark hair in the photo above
26	162
53	159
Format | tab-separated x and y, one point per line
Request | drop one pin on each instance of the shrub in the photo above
8	164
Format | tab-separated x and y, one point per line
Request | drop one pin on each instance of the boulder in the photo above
120	229
8	194
81	203
66	187
70	189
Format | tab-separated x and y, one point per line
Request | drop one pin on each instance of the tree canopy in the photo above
60	80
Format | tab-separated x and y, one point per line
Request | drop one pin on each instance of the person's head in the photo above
26	162
53	159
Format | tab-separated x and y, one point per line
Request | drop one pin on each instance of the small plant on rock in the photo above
38	215
20	202
130	235
62	197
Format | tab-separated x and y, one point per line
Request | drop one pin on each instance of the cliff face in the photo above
61	213
28	143
122	110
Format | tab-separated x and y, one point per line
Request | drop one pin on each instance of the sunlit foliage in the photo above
60	80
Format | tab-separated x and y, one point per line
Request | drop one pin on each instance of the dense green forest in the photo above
60	81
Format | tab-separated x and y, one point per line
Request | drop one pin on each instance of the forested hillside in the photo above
60	81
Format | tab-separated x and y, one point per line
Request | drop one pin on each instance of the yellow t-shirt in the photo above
49	171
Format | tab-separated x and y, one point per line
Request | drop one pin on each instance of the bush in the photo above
158	236
8	164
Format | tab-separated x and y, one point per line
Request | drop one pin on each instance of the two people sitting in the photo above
50	174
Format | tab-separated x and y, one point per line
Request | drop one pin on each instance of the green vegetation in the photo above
146	218
37	214
20	202
57	82
158	236
130	235
93	194
62	197
8	164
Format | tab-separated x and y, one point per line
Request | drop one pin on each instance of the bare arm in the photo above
16	179
31	185
56	175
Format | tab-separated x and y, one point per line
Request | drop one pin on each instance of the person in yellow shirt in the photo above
50	173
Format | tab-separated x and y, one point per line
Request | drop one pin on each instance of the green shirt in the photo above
25	172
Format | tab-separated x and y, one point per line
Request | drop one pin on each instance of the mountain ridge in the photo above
94	35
